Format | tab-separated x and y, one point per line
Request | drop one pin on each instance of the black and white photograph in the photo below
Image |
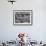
22	17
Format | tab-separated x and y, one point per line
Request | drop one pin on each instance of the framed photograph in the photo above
22	17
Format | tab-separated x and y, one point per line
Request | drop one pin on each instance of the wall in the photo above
37	31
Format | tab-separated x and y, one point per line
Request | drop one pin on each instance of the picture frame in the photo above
22	17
